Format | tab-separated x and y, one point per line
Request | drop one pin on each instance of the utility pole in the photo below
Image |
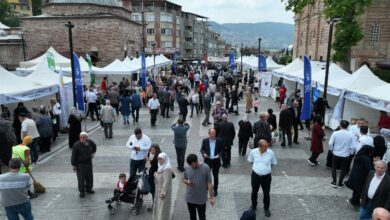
70	26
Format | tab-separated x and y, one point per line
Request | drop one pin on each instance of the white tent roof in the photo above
361	80
295	65
271	64
59	59
298	75
335	73
3	26
115	68
12	84
45	76
83	67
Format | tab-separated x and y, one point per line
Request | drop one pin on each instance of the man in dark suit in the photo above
211	151
376	191
285	123
294	110
226	132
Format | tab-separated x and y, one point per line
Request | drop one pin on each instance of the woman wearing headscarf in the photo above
361	166
244	134
163	181
379	148
74	122
317	134
248	95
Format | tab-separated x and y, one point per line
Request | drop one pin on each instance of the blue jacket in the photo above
136	101
125	105
44	125
180	135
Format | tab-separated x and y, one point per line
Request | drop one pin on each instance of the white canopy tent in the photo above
84	67
58	58
271	64
295	65
115	68
45	76
3	26
335	73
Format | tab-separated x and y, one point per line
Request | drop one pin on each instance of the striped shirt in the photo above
13	187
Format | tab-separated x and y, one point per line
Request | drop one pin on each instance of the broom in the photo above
38	187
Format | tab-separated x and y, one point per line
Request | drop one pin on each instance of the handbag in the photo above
144	185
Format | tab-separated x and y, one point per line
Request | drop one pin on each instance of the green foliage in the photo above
36	7
348	31
7	15
284	60
246	51
382	74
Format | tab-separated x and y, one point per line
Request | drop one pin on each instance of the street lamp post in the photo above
260	39
331	22
154	57
70	26
242	45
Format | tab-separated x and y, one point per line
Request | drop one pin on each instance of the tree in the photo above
36	7
348	30
7	15
246	51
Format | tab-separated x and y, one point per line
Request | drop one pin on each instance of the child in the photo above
120	188
256	86
255	104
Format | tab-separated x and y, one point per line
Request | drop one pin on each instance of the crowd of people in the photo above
351	148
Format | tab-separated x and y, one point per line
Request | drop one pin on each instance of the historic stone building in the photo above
312	31
11	47
104	29
21	7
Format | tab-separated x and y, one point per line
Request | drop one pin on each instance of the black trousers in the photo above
116	107
214	168
135	114
286	131
84	176
92	108
295	127
180	154
265	183
242	145
227	155
153	116
44	144
343	162
56	127
165	109
192	208
314	156
184	115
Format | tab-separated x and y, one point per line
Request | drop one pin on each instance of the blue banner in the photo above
231	61
306	108
79	83
262	63
143	70
174	63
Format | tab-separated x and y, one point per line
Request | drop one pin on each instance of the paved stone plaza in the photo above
298	191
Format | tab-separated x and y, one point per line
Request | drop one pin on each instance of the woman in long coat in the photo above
249	100
74	122
163	181
317	134
360	169
125	107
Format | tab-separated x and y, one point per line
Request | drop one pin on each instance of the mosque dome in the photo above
99	2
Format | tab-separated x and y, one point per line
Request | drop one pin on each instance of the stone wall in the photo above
10	55
106	35
77	9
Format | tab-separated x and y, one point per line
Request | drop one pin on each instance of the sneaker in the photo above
311	163
333	184
351	203
340	185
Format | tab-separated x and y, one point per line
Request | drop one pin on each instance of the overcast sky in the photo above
238	11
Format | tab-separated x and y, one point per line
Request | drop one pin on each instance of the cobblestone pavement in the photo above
298	191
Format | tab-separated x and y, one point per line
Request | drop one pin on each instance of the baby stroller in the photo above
136	187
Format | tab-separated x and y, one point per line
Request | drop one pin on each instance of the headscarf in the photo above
245	119
75	113
27	140
165	165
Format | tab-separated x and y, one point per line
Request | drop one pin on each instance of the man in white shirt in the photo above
153	106
364	139
29	128
376	191
262	160
139	145
341	144
91	98
107	116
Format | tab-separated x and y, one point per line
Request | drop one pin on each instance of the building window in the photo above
166	44
301	39
150	44
136	16
177	19
166	31
177	33
166	18
149	18
375	32
150	31
13	6
322	36
25	7
313	37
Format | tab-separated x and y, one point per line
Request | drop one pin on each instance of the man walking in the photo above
135	105
153	106
294	110
107	116
29	128
183	106
212	150
83	152
341	144
376	191
14	187
198	180
91	98
166	103
180	141
218	112
261	129
226	132
207	108
285	124
7	140
262	160
139	145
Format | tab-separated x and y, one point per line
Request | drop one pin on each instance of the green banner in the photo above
89	61
50	61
